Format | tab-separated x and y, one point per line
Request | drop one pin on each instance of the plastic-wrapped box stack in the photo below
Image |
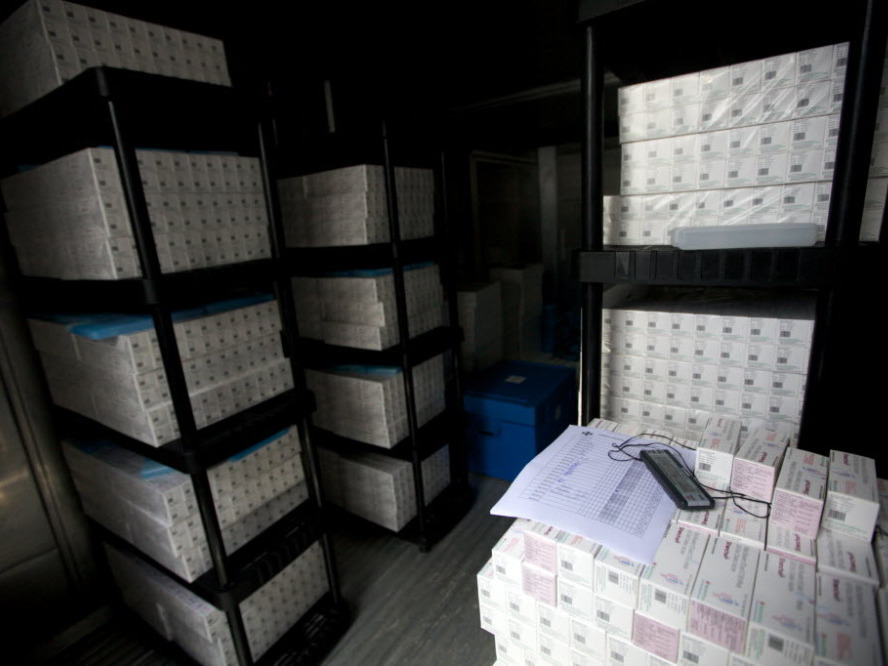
877	185
380	488
358	308
723	589
68	218
369	404
748	143
108	367
154	507
480	309
348	206
679	361
48	42
200	628
522	290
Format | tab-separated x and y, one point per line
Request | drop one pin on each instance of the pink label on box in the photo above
724	629
655	637
800	514
541	552
757	481
540	585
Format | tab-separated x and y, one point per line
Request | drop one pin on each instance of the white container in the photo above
746	235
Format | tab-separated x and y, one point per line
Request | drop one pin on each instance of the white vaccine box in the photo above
783	542
745	522
694	651
576	559
614	618
711	175
541	545
778	104
575	598
779	71
704	374
757	464
620	651
814	64
771	168
552	651
784	588
730	377
521	606
842	555
852	498
800	492
539	583
617	577
880	550
722	595
685	89
522	634
808	134
847	624
665	586
746	77
655	637
715	114
713	146
507	556
491	590
587	639
707	522
716	450
493	620
715	83
553	623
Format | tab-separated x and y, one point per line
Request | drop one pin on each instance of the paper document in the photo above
573	485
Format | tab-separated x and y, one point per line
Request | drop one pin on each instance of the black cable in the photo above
674	443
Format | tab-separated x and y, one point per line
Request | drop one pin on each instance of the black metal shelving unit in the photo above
434	520
125	109
840	270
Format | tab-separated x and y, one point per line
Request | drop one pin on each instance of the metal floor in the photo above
408	608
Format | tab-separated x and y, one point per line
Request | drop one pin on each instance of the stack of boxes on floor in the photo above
68	218
109	368
676	361
725	587
480	307
749	143
45	43
358	309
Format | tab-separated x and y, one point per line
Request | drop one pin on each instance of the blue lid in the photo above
374	370
259	445
522	382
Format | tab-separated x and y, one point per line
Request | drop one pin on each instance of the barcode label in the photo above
747	405
546	622
735	144
757	331
798	136
763	171
775	643
707	148
770	75
706	467
514	606
805	69
567	599
500	569
613	577
778	385
567	565
485	593
753	357
736	113
766	140
580	639
603	616
671	396
748	382
834	131
616	656
515	635
804	102
796	168
823	197
697	375
830	165
773	410
725	355
688	656
660	596
545	650
733	174
783	360
837	515
738	81
704	176
707	117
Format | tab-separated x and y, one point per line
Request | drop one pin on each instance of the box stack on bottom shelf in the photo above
45	43
522	291
749	143
379	488
724	587
480	309
676	360
358	308
108	367
68	218
200	628
368	403
348	206
153	507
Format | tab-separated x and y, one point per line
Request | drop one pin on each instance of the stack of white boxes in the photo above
522	290
154	507
200	628
749	143
359	309
380	488
348	206
109	369
724	588
68	218
480	308
369	404
48	42
673	362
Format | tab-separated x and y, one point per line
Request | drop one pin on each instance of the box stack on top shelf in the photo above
724	588
749	143
46	43
679	358
380	377
148	275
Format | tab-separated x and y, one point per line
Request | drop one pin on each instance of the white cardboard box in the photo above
722	594
783	542
716	450
758	461
784	589
800	492
847	624
841	555
852	499
617	577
